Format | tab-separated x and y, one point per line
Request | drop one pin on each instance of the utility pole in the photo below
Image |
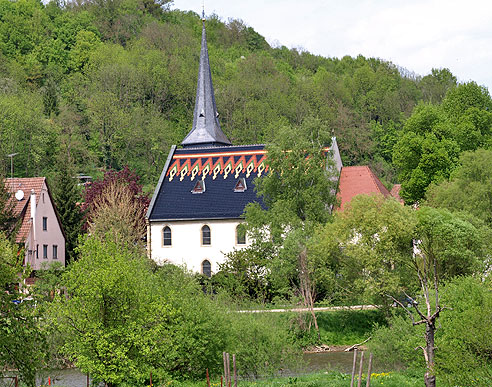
12	164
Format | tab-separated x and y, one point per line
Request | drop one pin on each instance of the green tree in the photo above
434	136
22	343
373	239
244	274
7	218
469	188
67	196
298	192
112	317
435	85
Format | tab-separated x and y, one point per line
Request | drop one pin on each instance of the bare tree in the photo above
119	214
426	268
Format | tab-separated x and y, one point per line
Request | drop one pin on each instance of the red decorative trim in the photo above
186	165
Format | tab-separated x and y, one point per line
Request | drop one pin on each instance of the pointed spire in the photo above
206	128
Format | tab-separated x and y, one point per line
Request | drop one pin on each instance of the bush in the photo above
464	353
262	345
399	339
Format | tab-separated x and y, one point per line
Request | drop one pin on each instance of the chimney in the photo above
33	204
33	216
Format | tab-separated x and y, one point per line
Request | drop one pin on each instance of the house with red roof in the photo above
40	232
358	180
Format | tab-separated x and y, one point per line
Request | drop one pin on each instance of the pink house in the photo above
40	229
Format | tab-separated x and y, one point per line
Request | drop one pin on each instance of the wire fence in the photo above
9	381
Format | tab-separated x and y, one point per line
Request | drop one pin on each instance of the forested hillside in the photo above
102	84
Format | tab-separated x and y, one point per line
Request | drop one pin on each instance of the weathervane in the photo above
203	10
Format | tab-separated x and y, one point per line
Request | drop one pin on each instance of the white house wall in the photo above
187	249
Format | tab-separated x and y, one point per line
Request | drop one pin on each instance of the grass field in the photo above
341	327
335	379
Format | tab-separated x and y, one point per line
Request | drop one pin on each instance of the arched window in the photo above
240	234
207	268
166	236
206	237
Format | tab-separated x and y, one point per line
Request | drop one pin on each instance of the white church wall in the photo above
186	243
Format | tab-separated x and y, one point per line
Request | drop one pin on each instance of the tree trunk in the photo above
306	288
430	377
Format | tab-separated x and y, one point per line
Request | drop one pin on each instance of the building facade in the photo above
40	230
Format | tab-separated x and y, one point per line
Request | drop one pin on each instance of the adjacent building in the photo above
40	230
356	180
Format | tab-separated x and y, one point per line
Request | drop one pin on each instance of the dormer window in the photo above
240	185
199	187
202	114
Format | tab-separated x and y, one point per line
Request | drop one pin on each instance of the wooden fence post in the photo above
224	359
354	363
234	365
369	369
359	382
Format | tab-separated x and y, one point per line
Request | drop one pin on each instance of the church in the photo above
196	210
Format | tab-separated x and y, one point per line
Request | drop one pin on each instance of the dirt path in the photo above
318	309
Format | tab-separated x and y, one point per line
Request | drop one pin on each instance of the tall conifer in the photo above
66	194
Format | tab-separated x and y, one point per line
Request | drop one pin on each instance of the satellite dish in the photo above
19	195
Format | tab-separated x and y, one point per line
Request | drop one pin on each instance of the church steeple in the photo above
206	128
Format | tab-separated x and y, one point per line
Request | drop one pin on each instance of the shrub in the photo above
262	345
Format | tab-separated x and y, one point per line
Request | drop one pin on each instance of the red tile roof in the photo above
358	180
395	192
22	207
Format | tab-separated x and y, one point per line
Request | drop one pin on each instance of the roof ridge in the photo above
376	181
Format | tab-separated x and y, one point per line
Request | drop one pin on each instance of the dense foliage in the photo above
113	83
94	86
8	221
469	188
120	318
21	346
434	136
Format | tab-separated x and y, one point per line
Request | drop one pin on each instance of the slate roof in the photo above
22	207
220	168
358	180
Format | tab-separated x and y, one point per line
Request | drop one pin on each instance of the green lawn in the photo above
341	327
392	379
